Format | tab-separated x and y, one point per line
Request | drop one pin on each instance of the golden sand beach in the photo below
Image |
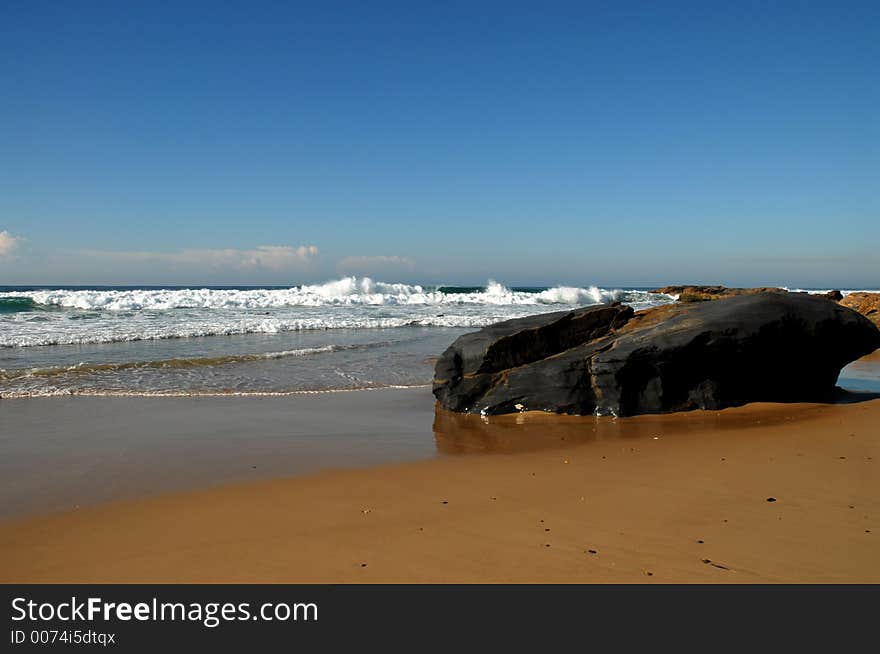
761	493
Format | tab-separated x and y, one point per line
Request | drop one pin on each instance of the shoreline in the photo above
70	452
198	394
640	496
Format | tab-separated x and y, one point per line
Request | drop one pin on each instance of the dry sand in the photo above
682	498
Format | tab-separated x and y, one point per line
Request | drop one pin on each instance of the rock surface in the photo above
705	293
835	295
867	304
771	346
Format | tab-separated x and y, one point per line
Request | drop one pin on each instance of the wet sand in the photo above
69	452
763	493
863	374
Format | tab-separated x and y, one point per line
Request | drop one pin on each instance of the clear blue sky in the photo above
619	143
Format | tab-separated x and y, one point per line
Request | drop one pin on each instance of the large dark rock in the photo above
607	360
470	366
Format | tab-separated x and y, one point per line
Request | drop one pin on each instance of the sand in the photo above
862	374
528	498
60	453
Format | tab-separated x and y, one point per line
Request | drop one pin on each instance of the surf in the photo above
346	291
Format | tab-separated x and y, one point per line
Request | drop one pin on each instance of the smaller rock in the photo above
691	293
867	304
835	295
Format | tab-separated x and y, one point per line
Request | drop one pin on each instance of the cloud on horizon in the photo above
276	258
8	243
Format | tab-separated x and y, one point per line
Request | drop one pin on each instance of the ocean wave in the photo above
346	291
46	317
88	368
18	303
120	334
814	291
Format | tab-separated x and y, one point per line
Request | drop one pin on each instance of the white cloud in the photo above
8	243
262	257
362	264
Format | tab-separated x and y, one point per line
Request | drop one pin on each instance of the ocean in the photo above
352	333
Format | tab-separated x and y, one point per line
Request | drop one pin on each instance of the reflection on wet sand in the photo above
863	374
458	433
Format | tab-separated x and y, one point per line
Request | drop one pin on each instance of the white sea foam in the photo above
133	330
813	291
67	392
72	317
346	291
570	295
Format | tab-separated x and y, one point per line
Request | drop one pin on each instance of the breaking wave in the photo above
39	317
16	303
345	291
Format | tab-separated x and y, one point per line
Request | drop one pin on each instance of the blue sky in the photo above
535	143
